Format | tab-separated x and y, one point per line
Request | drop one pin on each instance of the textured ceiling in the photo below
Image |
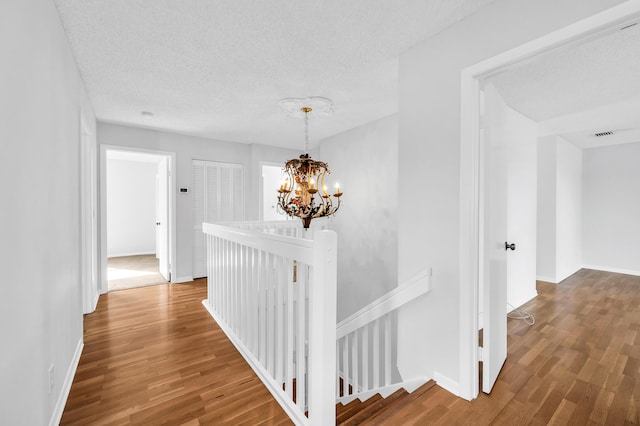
218	68
580	90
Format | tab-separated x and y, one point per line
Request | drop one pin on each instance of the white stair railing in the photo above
364	351
275	298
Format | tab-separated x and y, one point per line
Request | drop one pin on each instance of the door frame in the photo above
89	216
171	197
470	183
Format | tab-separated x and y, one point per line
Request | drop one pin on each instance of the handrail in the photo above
399	296
285	246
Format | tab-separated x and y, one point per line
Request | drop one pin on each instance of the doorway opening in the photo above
137	218
476	211
271	178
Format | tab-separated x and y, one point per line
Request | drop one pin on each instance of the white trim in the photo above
94	303
66	386
469	163
546	279
171	157
611	269
179	280
417	286
562	278
272	385
446	383
88	215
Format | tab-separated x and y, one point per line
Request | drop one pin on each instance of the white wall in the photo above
559	209
131	207
40	307
611	208
429	159
188	148
568	209
364	161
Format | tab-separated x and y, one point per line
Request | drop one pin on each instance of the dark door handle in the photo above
508	246
157	223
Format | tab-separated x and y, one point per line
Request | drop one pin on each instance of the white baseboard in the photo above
179	280
94	304
446	383
66	386
551	280
565	276
614	270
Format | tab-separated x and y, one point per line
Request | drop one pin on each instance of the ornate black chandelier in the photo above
303	193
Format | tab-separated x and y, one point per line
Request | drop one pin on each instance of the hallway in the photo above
153	355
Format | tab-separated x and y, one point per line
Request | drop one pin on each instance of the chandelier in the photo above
303	193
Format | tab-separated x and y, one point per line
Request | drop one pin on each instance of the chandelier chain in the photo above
306	132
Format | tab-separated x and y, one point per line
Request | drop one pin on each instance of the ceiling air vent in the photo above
601	134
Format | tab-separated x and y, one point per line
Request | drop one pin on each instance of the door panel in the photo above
494	279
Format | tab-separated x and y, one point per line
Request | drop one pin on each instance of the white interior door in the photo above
494	237
162	221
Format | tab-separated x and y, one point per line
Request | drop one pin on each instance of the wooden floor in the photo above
579	364
153	356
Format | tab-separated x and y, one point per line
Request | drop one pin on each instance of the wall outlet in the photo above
51	378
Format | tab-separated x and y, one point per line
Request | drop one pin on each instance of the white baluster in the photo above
279	354
376	354
290	328
262	321
354	361
338	367
225	279
345	365
387	350
365	358
301	400
270	314
253	309
220	275
239	292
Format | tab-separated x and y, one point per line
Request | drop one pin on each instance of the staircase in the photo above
377	410
272	289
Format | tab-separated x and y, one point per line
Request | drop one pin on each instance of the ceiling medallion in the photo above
303	193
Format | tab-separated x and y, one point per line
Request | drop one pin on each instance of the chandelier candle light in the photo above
303	193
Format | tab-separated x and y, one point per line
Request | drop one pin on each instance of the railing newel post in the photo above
322	327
